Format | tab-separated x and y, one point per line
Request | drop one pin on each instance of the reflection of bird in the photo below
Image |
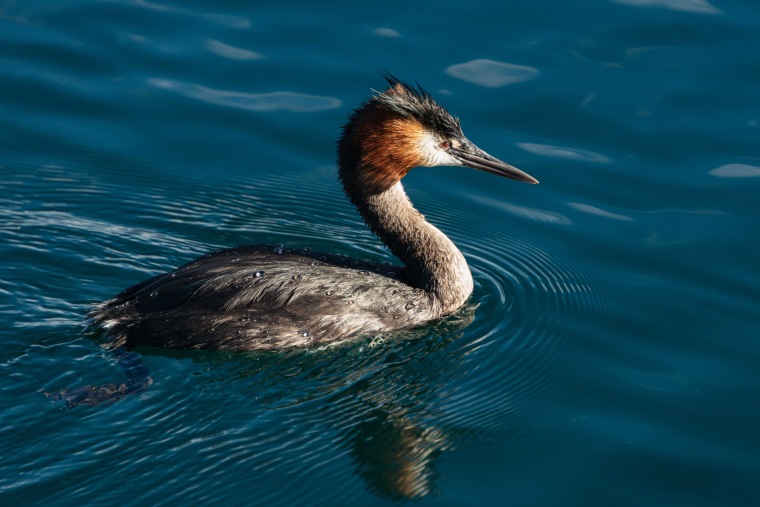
259	297
396	456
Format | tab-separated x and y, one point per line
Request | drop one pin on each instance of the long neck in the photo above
432	261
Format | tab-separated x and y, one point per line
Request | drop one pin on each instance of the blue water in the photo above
610	354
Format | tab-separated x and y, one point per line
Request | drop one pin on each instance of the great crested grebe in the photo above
263	297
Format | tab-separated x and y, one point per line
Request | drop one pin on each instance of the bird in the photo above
265	297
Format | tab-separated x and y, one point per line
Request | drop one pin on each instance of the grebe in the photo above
263	297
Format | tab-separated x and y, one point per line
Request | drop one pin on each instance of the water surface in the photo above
609	355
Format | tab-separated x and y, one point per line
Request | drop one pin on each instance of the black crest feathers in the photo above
414	101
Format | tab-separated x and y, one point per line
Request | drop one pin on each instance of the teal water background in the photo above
610	354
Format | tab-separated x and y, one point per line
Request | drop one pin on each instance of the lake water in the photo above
610	354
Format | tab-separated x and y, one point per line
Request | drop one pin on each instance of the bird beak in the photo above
472	156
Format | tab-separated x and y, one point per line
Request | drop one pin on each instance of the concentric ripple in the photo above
489	372
535	302
390	405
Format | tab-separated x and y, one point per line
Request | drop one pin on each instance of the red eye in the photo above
445	145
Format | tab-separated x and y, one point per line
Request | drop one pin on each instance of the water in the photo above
609	355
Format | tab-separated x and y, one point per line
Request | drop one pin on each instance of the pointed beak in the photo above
472	156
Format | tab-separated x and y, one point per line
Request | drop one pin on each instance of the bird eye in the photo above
445	145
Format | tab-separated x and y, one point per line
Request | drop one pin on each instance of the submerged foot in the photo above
138	379
99	395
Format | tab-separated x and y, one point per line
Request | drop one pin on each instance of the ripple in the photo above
697	6
736	171
387	32
237	22
593	210
524	211
564	152
490	73
231	52
663	381
261	102
534	300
